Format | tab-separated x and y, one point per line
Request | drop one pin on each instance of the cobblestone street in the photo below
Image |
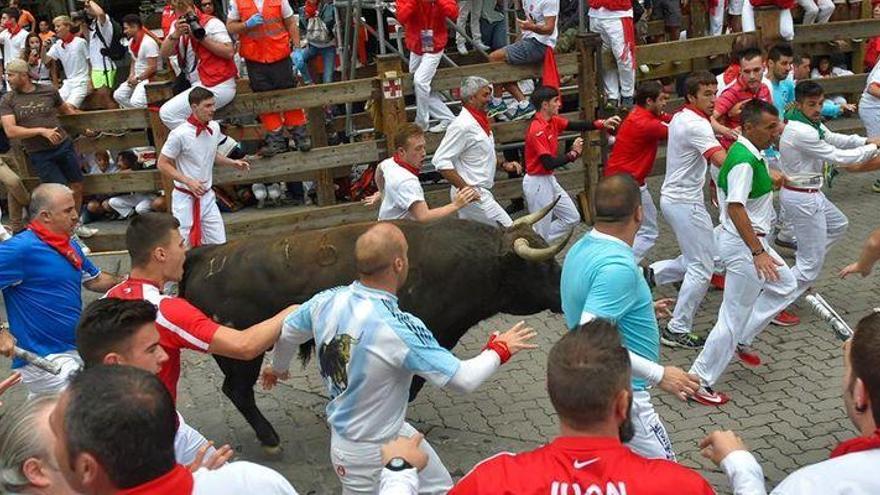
789	410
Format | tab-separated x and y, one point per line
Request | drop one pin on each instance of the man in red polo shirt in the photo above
157	253
749	85
542	157
635	150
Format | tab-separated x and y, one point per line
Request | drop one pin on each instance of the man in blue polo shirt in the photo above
600	279
41	271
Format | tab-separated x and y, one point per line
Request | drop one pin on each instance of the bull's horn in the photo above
532	218
523	250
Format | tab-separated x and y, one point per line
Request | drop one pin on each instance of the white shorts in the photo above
651	439
39	382
359	465
176	110
74	91
213	228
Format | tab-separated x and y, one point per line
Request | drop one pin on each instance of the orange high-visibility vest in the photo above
268	43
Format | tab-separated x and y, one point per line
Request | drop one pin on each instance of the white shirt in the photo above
233	15
802	152
215	30
148	49
739	185
74	58
98	61
236	478
869	100
401	190
468	150
13	45
691	141
603	13
194	156
537	11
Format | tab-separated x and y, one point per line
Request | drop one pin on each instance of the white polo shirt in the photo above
402	189
691	141
802	151
468	150
13	45
537	11
148	49
241	477
74	58
99	61
194	156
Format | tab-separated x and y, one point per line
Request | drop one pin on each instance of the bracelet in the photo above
499	347
758	252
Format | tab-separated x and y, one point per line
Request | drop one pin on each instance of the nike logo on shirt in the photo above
583	464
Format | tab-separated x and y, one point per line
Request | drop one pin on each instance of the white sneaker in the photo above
482	46
644	68
462	50
441	127
84	232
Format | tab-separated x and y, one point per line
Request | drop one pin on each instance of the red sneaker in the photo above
785	319
717	281
748	355
708	397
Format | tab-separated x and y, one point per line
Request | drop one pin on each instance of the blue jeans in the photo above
303	56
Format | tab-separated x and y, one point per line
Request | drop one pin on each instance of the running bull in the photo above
461	272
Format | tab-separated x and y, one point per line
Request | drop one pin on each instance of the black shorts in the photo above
669	11
266	77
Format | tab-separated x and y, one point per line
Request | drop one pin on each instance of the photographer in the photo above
100	37
215	70
73	53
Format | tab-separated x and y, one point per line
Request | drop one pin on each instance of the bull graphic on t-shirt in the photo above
334	358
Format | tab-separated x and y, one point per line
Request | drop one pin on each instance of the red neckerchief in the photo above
731	73
403	163
859	444
136	42
199	125
66	40
695	110
178	481
481	117
58	242
14	28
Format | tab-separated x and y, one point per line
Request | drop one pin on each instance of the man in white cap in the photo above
466	156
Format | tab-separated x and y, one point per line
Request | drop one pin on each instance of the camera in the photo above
195	28
81	15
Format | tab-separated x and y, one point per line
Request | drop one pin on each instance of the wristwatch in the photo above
398	464
758	252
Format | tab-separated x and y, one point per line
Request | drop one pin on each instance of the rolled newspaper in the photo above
827	313
42	363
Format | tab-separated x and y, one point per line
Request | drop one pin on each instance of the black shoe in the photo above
303	142
684	340
648	272
275	143
792	244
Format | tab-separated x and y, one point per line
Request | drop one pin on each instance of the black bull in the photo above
461	273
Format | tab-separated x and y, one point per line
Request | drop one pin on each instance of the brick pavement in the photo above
789	410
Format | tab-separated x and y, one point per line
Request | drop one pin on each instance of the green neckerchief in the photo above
796	114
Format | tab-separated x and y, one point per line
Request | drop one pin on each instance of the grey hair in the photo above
43	197
20	440
471	85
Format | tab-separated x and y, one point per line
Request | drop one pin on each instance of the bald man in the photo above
368	352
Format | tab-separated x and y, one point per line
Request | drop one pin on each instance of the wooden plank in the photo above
130	139
841	30
115	183
843	84
316	95
106	120
588	52
495	72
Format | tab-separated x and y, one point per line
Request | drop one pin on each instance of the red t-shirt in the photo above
730	97
169	17
580	465
181	325
542	138
635	147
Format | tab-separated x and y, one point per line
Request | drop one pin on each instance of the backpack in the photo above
114	50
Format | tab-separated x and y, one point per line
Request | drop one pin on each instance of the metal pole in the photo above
582	21
462	32
380	24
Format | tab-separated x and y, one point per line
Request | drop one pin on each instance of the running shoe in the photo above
496	108
786	243
748	355
785	319
708	397
523	113
688	340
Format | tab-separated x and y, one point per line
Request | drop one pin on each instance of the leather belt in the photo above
801	189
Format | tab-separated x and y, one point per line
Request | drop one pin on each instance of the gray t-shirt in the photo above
38	108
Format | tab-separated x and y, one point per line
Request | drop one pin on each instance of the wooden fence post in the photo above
157	94
326	188
392	108
767	24
858	54
699	19
589	50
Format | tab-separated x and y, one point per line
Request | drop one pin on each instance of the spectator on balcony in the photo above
45	30
470	10
144	49
99	30
816	11
424	22
73	54
318	21
613	21
33	55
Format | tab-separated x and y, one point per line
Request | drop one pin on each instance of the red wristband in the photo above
599	124
499	347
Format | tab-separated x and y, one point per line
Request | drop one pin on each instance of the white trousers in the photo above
786	23
428	103
716	20
39	382
748	305
187	442
74	91
131	97
870	116
213	229
620	79
816	11
540	191
485	210
651	439
695	234
647	234
359	465
472	9
176	110
128	204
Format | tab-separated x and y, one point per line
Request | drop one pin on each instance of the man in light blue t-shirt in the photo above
600	279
